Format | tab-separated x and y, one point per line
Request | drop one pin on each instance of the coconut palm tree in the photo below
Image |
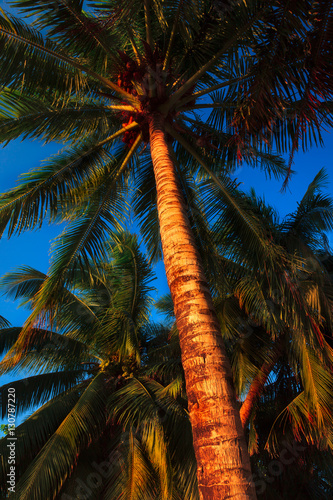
301	233
279	338
299	467
125	84
111	419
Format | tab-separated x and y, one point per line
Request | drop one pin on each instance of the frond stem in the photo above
94	35
207	106
133	125
165	108
134	46
61	57
172	36
191	150
148	23
208	90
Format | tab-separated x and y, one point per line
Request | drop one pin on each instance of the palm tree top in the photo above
167	59
81	74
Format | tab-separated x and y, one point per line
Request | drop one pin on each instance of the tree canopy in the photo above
152	96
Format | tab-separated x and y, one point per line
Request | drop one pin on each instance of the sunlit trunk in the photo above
254	393
219	443
258	384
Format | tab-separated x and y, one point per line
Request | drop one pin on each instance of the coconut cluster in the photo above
138	79
131	72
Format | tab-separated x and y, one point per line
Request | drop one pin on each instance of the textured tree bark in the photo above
223	465
258	385
255	391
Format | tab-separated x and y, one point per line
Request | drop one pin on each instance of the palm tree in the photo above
282	360
111	419
290	455
126	98
302	233
299	467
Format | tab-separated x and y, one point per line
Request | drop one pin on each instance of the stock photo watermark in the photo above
11	438
288	455
102	471
94	480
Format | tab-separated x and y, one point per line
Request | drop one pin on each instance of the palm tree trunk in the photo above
258	384
223	465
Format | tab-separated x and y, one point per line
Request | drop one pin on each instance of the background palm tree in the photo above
279	338
303	302
111	419
125	98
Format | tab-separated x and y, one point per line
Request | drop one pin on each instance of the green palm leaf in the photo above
54	463
35	391
34	432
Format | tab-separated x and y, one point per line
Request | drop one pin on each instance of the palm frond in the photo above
84	422
45	351
8	337
35	391
34	432
47	191
35	117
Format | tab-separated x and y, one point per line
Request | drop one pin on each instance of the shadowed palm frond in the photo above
35	431
82	424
